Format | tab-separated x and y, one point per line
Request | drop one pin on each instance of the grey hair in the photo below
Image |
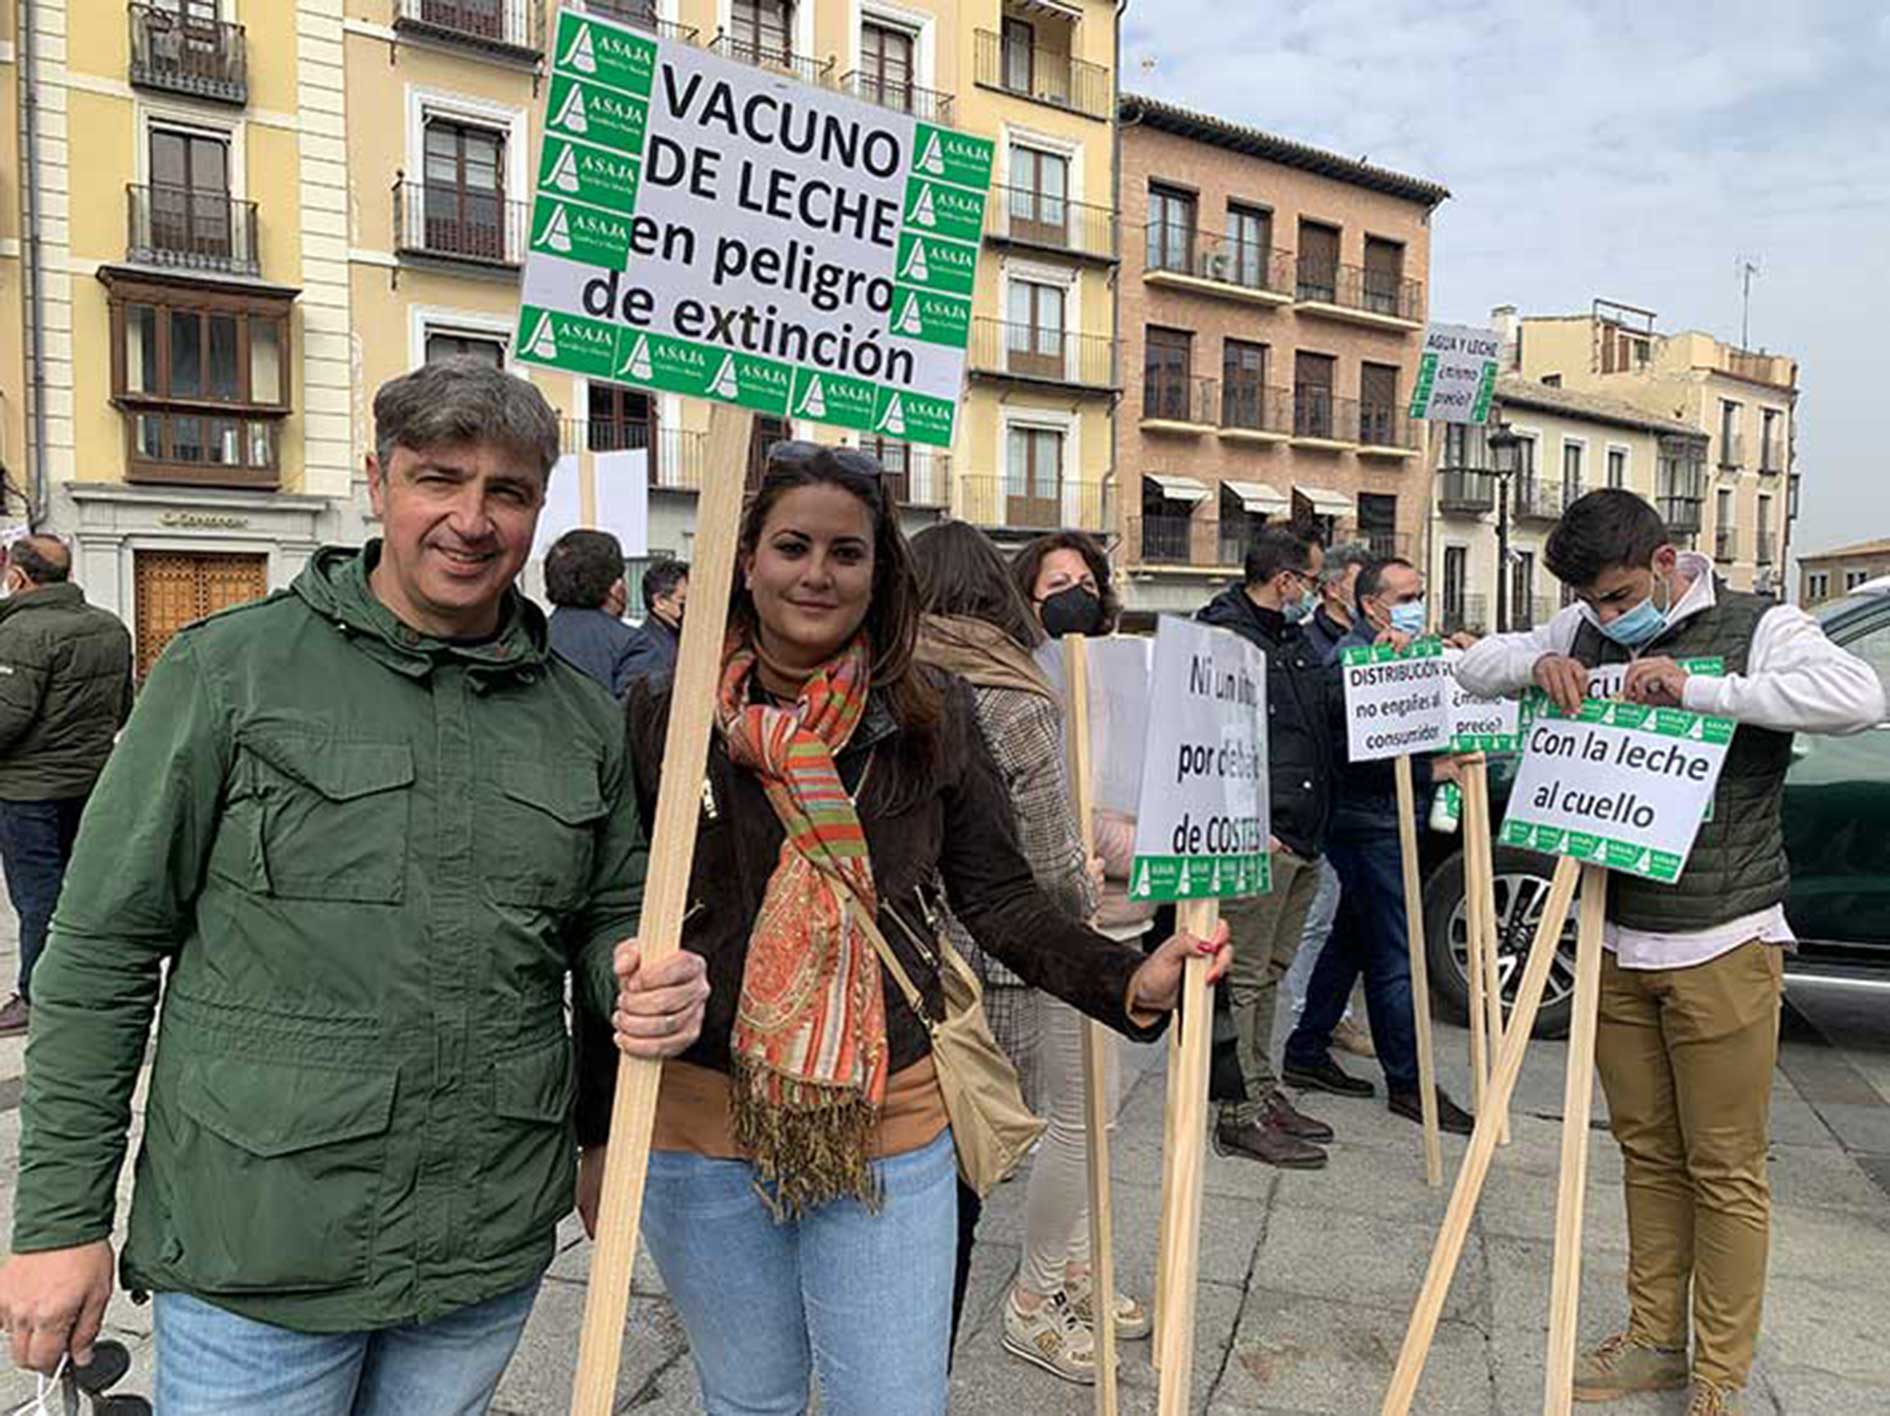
464	400
1340	559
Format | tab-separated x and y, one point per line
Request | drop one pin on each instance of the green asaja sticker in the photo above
588	174
598	115
936	264
603	54
914	417
569	342
834	399
946	156
580	233
927	315
940	210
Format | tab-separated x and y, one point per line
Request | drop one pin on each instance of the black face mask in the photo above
1072	611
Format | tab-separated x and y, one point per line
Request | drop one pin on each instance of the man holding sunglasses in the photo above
1268	610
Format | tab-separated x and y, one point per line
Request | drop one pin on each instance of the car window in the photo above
1873	647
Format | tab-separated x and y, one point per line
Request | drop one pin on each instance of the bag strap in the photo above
870	927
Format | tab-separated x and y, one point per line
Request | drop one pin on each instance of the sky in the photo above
1631	152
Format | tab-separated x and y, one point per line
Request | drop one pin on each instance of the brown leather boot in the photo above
1281	1113
1267	1143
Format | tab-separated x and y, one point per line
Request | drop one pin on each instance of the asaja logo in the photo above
924	209
725	384
910	320
893	420
637	366
814	404
557	232
564	172
572	114
917	269
932	161
581	56
544	341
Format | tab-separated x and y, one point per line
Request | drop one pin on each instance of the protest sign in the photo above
1480	724
1396	700
706	228
1201	820
1607	680
1456	376
1618	785
1118	720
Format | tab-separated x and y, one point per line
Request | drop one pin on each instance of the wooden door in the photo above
1034	492
171	589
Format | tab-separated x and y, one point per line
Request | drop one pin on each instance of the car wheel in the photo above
1522	888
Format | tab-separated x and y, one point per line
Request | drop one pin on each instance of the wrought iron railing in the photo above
777	58
1044	75
1032	218
1219	260
1250	407
1351	287
1466	491
1322	416
189	54
1017	502
1172	398
1042	354
457	224
495	24
900	95
191	228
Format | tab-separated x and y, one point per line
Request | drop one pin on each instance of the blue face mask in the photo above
1297	611
1409	617
1637	627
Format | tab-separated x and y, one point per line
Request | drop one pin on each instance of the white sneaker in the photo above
1132	1319
1051	1338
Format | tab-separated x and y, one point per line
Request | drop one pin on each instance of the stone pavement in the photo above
1307	1279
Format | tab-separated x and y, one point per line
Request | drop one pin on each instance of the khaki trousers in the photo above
1686	1058
1265	931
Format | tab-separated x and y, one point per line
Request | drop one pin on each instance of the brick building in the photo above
1271	313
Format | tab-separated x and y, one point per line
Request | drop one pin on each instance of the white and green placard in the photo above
1397	701
1456	374
1481	724
1201	817
1617	785
707	228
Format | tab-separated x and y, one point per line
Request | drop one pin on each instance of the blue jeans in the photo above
1312	941
861	1300
1368	937
213	1363
35	844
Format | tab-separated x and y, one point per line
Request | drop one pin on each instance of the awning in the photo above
1326	503
1181	489
1258	497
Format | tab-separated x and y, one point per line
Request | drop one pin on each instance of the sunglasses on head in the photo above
795	452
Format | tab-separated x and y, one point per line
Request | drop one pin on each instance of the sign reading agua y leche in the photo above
1480	724
1456	376
1397	701
1201	819
706	228
1618	785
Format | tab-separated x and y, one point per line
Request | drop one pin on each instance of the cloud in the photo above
1631	151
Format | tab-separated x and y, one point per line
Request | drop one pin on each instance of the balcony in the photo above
1528	611
1726	543
1382	542
191	229
1252	413
1167	539
1385	430
454	224
1767	552
1466	491
509	28
1538	499
637	16
775	58
1683	515
1038	354
1323	420
1018	216
1732	451
675	453
1774	369
188	54
1045	76
1017	504
1471	612
1771	457
1214	265
927	105
1188	405
1382	299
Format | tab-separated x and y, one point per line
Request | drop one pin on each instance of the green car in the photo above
1837	831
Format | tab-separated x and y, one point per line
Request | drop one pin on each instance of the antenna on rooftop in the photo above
1148	64
1744	269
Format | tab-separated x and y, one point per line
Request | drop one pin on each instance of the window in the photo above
1378	522
464	199
1034	339
1249	245
1243	385
1384	276
1318	261
443	344
1617	467
190	194
621	419
1817	585
1464	446
1456	583
1167	360
886	64
1729	434
1020	48
641	13
633	568
1040	186
1170	229
1551	380
1724	547
1378	405
1573	454
1522	590
1034	477
763	30
766	432
203	379
1771	454
1855	578
1312	395
1765	530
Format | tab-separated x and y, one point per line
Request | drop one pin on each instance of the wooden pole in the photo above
1577	1097
1478	846
1420	974
1182	1232
1476	905
1096	1045
1476	1164
665	897
1170	1153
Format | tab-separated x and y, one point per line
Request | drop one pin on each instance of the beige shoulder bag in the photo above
991	1126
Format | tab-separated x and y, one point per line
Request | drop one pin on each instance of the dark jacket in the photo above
653	654
601	645
65	691
1302	713
1367	802
949	820
1324	633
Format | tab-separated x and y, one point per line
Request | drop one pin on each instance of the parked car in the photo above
1837	832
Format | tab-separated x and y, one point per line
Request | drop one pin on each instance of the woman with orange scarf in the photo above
801	1202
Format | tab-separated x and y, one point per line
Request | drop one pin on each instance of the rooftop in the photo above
1183	122
1527	393
1861	550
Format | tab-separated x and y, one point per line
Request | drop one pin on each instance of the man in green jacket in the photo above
65	690
372	825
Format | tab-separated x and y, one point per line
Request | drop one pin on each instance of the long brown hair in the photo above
1030	561
894	610
962	573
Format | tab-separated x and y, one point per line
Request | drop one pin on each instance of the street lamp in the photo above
1505	458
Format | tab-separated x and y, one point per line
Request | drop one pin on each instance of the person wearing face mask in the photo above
1690	982
1369	933
1268	609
